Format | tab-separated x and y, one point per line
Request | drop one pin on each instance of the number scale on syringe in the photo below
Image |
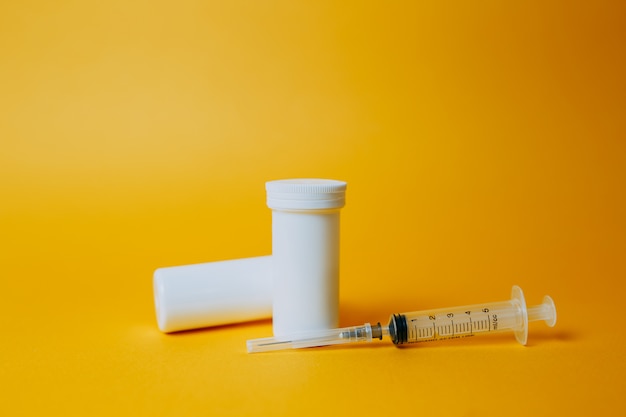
450	324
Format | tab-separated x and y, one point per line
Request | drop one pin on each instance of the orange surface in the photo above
484	146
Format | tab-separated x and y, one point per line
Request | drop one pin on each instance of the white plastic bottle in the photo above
305	253
213	293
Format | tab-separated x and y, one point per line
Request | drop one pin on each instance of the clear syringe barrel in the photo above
465	321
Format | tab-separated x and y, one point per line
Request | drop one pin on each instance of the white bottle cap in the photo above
215	293
305	194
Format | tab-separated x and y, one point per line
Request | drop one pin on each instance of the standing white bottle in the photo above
305	253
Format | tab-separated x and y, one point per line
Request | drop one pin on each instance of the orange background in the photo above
483	144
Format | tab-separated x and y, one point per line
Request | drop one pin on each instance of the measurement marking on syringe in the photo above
448	328
479	325
424	332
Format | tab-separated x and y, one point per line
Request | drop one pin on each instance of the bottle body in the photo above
305	261
213	293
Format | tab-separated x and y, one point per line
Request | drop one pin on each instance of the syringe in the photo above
427	325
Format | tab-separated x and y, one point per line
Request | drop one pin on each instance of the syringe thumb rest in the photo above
544	311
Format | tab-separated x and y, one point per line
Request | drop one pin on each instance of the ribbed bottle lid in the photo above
305	194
